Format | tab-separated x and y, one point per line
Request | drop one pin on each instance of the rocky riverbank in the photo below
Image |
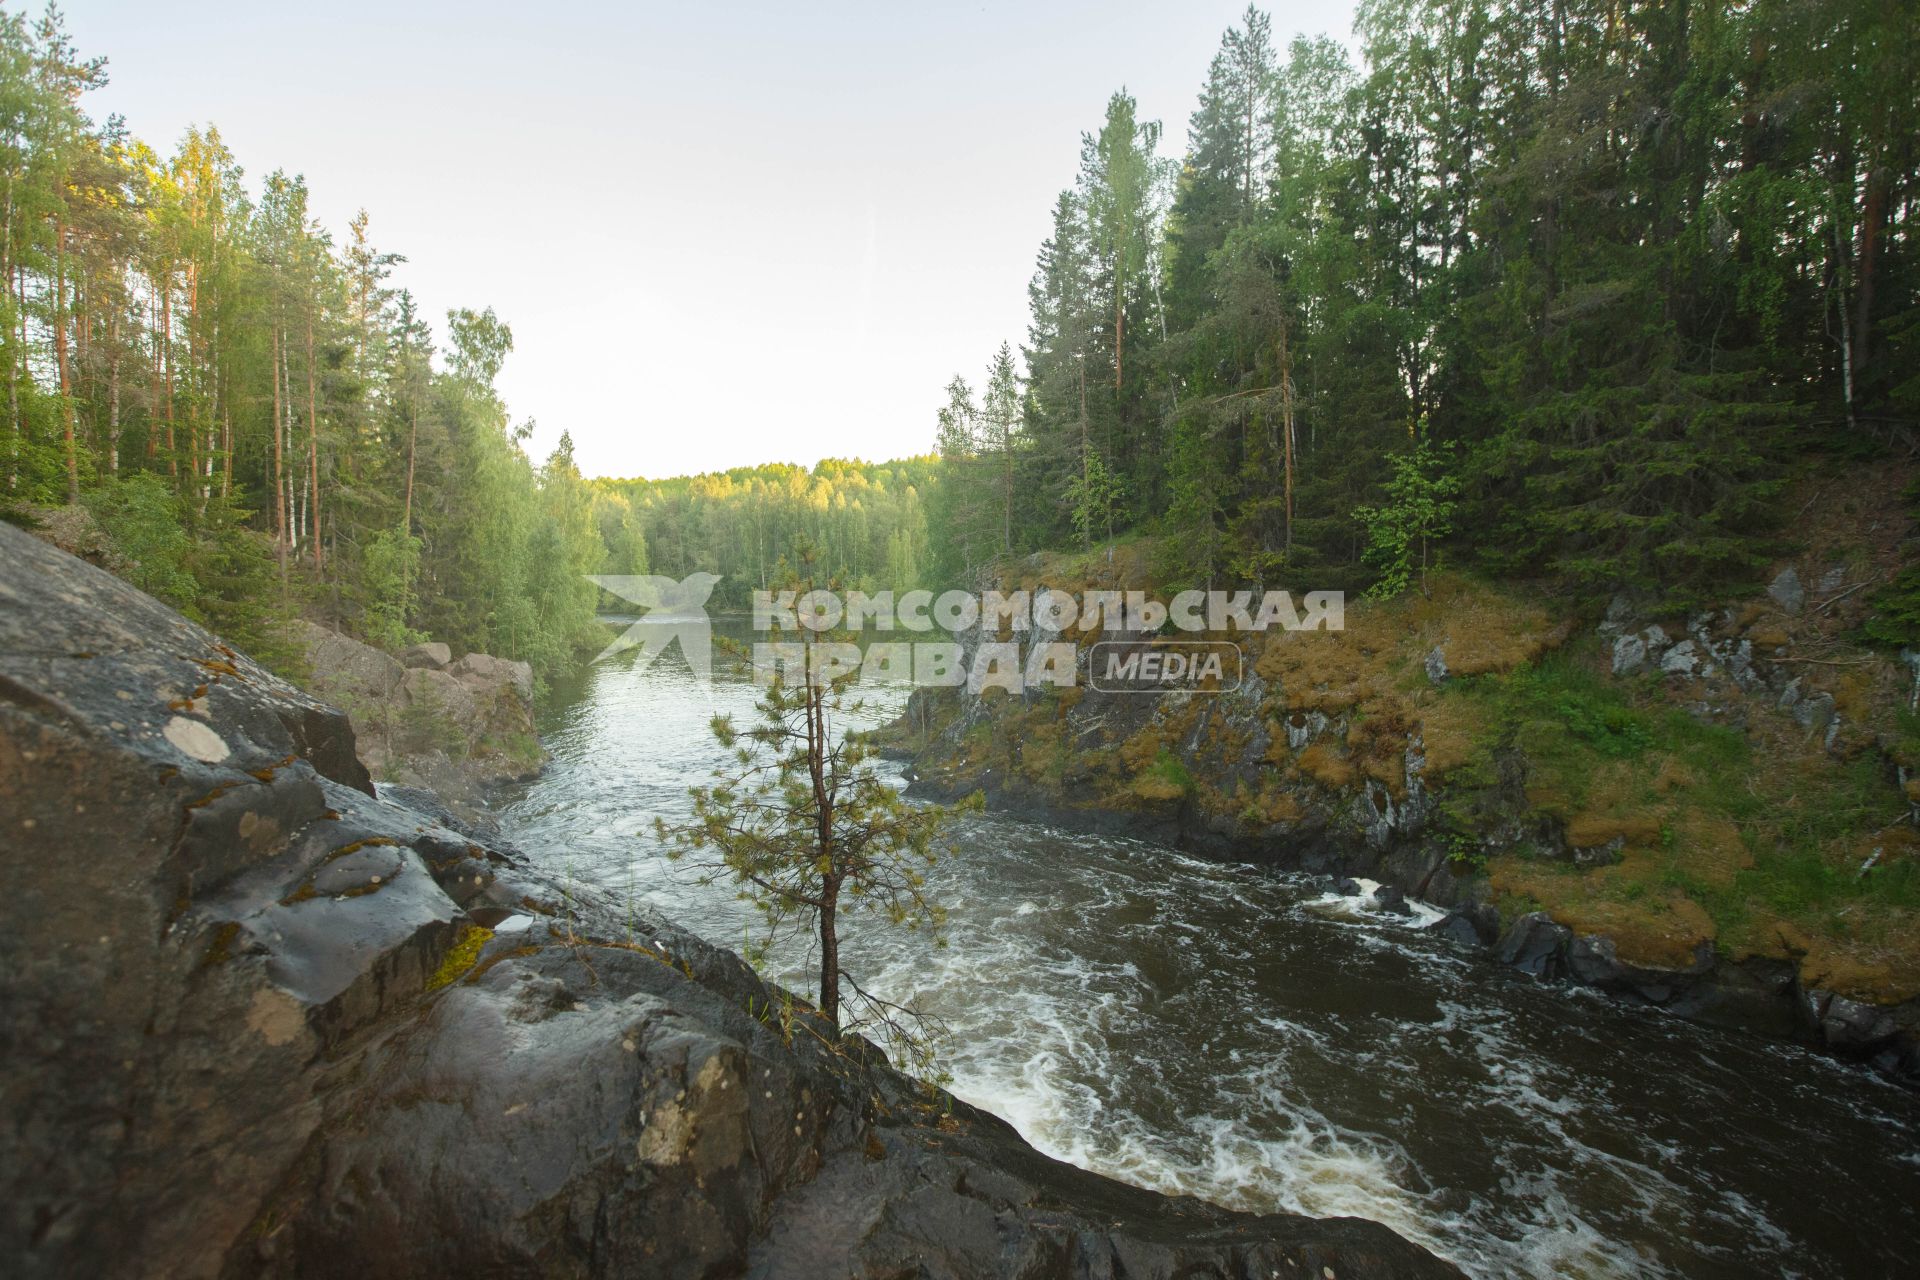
1677	809
260	1021
457	727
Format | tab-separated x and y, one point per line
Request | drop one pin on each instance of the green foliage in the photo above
1418	512
141	519
1630	330
387	577
1567	718
1895	620
1094	497
1464	851
1169	769
1586	707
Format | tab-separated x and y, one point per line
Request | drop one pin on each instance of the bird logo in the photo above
675	611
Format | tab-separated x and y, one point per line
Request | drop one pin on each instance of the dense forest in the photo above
1603	273
252	420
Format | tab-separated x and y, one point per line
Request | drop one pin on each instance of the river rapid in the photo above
1254	1038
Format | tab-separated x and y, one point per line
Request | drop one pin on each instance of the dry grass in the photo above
1327	766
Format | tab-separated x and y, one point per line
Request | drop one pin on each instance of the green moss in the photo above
1165	778
460	957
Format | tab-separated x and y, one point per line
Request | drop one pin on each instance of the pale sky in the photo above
722	234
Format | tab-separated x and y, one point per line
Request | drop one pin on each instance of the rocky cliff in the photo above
259	1021
1689	811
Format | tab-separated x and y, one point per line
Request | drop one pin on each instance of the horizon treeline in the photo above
864	523
1613	267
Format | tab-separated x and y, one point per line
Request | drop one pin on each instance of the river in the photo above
1253	1038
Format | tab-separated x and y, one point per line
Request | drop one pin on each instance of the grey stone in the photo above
1392	900
1790	695
1436	665
1787	591
458	729
430	654
1536	945
1600	855
1592	960
1305	726
1681	660
345	669
1738	659
1814	712
1619	616
437	710
486	670
1460	927
1851	1025
1629	655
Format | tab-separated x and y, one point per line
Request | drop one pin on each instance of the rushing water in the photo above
1253	1038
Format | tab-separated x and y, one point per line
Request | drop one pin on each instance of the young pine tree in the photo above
806	828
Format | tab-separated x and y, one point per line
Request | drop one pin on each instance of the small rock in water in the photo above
1392	900
1537	945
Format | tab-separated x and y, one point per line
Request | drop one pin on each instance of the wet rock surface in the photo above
263	1022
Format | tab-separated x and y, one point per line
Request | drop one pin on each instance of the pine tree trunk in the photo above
153	374
285	428
113	397
313	447
830	955
817	745
1871	217
60	357
413	432
1286	422
279	465
166	357
213	413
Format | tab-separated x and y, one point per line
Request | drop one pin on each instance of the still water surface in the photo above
1253	1038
